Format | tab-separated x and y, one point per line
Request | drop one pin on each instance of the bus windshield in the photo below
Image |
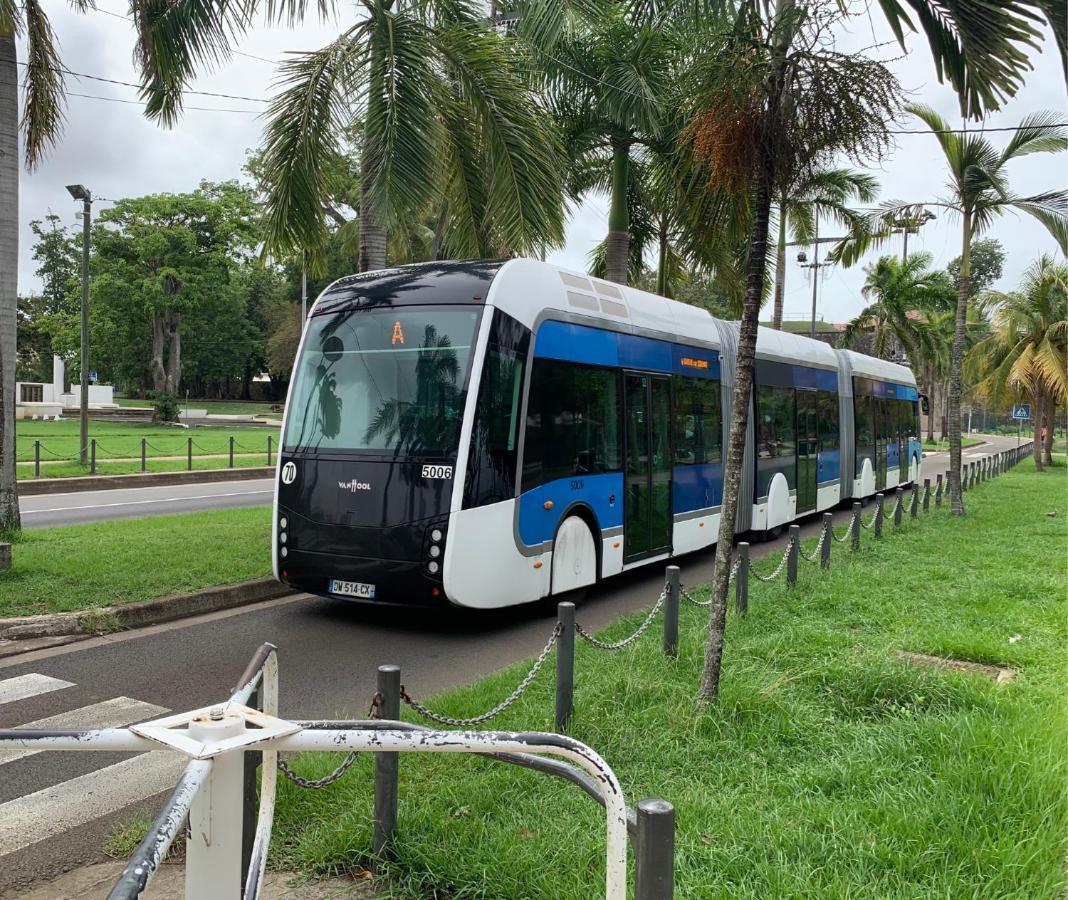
389	381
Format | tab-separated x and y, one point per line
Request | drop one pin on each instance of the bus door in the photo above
808	446
882	438
647	473
902	441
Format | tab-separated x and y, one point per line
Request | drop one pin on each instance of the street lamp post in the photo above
80	192
910	225
815	266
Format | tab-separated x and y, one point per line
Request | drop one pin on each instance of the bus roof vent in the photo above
582	301
575	281
606	289
613	309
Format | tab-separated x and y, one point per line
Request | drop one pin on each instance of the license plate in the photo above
352	589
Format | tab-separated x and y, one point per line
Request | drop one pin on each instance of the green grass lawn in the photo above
943	443
828	768
214	407
77	567
122	440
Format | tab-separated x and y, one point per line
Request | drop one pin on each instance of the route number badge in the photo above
289	473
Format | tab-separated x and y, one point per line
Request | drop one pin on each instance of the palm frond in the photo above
1049	208
1038	133
44	98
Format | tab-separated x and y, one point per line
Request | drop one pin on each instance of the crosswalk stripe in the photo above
23	686
114	713
45	813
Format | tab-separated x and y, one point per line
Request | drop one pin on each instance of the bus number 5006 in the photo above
437	471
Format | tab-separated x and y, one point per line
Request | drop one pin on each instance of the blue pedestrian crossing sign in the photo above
1021	411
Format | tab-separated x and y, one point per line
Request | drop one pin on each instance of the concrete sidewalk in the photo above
169	884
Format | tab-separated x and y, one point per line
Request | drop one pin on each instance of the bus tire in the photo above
574	566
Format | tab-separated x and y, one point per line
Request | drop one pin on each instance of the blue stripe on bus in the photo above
696	487
596	346
830	466
602	493
870	387
815	379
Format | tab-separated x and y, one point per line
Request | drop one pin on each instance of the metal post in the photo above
855	523
231	451
250	796
828	539
654	851
914	503
671	613
964	477
144	454
189	455
878	515
938	491
791	556
741	580
927	495
36	459
565	665
81	193
213	847
92	456
268	450
899	494
386	764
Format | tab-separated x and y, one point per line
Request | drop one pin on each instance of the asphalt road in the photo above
43	510
56	808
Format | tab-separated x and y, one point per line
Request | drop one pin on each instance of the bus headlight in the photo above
283	522
435	551
432	567
435	535
284	552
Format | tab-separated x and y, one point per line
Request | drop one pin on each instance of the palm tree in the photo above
1027	352
751	103
823	193
444	123
608	71
979	192
898	292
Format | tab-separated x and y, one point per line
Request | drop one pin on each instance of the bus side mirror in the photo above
925	404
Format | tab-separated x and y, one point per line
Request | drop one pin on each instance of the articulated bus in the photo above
494	433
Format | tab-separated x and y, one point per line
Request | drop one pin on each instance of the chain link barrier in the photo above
871	524
500	707
691	599
849	530
815	557
619	645
317	784
778	568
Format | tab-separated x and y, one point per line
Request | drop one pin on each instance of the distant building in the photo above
37	400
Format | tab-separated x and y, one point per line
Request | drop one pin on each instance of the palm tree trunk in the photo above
930	379
764	177
9	258
1039	403
1051	425
617	246
780	266
372	231
955	370
661	262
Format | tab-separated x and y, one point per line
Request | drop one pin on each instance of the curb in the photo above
35	486
86	623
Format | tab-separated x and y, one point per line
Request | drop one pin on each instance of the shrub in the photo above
164	407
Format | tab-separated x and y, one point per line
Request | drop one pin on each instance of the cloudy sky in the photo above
110	147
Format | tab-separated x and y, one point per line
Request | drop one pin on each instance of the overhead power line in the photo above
250	112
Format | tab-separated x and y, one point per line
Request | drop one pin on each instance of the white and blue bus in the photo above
493	433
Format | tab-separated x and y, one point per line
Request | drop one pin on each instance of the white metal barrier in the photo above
211	792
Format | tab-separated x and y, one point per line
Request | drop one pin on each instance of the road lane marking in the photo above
50	811
52	509
115	713
24	686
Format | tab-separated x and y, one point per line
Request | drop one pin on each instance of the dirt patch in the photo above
998	674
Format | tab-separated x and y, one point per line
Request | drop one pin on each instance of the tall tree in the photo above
824	193
979	192
750	105
1026	354
445	123
986	261
899	294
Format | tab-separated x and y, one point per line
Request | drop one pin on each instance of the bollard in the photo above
855	524
741	581
386	764
671	612
213	842
899	495
144	454
654	851
963	477
828	539
878	515
565	665
791	556
36	459
914	502
189	454
231	451
938	492
250	797
927	495
92	456
268	450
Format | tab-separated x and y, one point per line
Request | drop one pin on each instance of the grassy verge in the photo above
827	768
943	443
129	467
78	567
214	407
